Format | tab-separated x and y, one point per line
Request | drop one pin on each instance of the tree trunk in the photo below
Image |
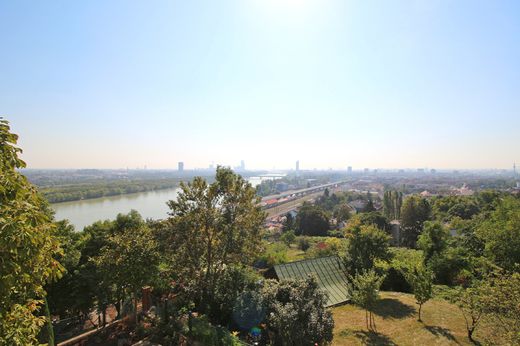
470	334
420	307
50	329
104	314
135	309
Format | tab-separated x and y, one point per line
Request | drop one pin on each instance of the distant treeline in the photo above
76	192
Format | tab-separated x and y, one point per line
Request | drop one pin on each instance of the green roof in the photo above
328	271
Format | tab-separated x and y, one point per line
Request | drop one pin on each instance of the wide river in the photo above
151	204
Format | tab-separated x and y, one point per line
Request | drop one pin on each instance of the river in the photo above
150	204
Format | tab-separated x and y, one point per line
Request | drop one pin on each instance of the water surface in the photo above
150	204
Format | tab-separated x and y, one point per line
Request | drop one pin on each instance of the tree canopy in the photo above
212	226
28	248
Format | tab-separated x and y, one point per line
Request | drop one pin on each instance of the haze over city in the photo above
334	84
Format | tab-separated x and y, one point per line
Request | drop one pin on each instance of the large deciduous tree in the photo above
311	220
500	233
211	227
365	245
28	248
129	261
414	212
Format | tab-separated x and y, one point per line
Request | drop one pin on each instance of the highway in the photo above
298	197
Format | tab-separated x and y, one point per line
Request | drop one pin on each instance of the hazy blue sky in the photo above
115	84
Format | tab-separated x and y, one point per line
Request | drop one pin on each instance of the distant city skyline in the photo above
404	84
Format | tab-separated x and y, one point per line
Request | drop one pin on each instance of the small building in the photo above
328	271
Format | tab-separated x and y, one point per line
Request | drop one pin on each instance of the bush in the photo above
329	247
209	335
295	313
234	281
288	237
275	253
303	243
402	259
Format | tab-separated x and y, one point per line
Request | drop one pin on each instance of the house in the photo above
328	271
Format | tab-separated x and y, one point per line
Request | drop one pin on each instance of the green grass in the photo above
294	254
396	320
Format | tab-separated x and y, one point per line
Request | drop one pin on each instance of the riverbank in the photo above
85	191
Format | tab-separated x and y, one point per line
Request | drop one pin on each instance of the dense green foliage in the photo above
414	212
295	313
211	227
500	233
373	218
365	245
392	202
28	248
312	220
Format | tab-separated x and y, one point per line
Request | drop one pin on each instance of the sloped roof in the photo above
328	271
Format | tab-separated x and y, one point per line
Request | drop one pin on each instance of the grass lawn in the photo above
294	254
396	321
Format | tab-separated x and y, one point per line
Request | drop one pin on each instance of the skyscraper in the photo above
180	166
242	165
349	169
297	165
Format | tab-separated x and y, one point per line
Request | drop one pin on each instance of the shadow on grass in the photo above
393	308
440	331
373	338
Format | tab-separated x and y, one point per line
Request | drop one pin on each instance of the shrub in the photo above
288	237
303	243
402	259
275	253
234	281
295	313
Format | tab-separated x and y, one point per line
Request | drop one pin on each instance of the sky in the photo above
377	84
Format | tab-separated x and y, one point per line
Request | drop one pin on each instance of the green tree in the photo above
311	220
369	207
374	218
502	303
365	245
28	248
64	295
472	302
288	237
342	212
500	233
211	227
234	281
129	261
414	212
420	279
365	293
433	240
289	223
296	314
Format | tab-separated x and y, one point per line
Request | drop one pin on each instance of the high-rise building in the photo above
180	166
297	165
242	165
349	169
